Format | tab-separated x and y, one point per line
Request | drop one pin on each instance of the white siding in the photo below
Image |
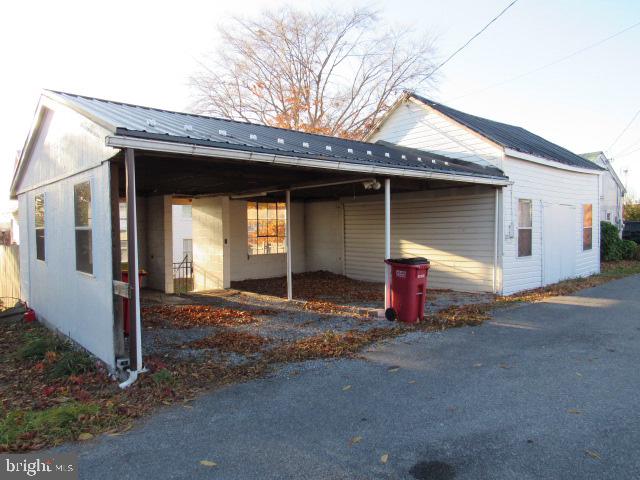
324	236
66	143
453	228
416	126
67	150
77	304
245	266
544	184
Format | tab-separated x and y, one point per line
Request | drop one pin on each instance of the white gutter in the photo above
230	154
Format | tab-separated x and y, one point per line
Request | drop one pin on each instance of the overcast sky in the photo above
143	52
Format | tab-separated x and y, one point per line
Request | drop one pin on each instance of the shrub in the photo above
610	243
71	362
628	249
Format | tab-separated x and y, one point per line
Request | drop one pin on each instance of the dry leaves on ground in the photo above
230	341
189	316
329	344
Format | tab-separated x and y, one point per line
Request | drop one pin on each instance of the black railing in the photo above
183	275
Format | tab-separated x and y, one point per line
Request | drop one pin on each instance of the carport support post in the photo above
288	235
387	242
135	340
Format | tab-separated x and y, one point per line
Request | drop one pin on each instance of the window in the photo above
186	211
39	223
524	228
83	221
587	227
266	225
187	249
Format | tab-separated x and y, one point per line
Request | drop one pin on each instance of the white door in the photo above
559	242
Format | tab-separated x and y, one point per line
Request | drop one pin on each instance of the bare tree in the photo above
330	73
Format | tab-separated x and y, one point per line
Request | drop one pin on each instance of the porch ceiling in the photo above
187	175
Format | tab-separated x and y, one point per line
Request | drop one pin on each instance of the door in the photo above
559	242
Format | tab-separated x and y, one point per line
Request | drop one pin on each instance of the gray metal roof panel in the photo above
511	136
145	122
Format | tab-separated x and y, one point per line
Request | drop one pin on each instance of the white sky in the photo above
143	52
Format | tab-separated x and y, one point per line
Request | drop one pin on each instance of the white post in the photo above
387	241
288	235
135	335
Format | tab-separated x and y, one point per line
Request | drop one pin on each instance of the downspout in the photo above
495	244
135	339
387	242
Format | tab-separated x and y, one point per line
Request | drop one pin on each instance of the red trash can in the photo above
125	301
408	284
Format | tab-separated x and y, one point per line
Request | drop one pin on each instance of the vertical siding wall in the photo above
453	228
69	149
324	236
9	272
415	126
551	185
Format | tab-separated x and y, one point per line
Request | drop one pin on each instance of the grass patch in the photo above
38	343
51	426
69	363
163	377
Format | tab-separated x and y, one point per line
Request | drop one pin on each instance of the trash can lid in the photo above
409	261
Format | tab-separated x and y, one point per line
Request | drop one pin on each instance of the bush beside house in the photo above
613	248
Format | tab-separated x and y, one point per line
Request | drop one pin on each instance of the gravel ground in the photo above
290	321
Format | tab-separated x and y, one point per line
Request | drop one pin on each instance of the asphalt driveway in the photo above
548	390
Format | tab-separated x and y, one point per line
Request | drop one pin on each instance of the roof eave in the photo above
122	141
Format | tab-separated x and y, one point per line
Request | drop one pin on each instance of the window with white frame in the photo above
266	227
83	227
525	228
587	226
39	226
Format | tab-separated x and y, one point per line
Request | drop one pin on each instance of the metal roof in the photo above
152	123
511	136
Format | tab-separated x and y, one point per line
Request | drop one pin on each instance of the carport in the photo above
223	165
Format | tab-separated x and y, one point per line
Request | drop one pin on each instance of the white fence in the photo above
9	271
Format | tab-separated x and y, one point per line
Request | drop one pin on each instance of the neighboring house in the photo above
495	208
612	190
547	231
9	231
182	231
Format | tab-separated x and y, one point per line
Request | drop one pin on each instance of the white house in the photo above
546	228
493	207
612	190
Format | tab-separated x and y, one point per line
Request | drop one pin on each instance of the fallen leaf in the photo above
578	374
85	436
411	381
188	407
593	454
504	365
355	440
574	411
393	369
476	365
384	458
346	387
208	463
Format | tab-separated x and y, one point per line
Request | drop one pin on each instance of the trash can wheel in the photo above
391	314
